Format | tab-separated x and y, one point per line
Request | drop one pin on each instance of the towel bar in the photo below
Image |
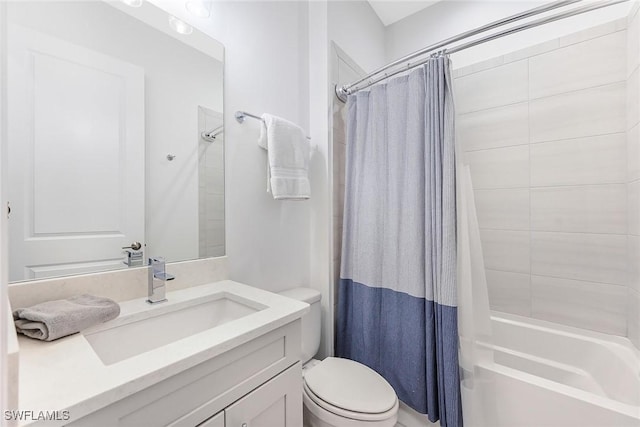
242	115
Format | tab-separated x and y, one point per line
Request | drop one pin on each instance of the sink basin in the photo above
164	325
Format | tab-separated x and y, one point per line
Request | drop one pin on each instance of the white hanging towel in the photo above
288	158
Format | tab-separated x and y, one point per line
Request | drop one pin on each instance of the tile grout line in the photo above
494	107
548	276
573	91
510	104
543	187
532	232
550	141
506	58
553	95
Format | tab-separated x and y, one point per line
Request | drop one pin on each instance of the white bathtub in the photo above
546	374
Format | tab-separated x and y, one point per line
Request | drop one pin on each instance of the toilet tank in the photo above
311	322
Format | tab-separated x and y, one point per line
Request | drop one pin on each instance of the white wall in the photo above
449	18
357	30
266	70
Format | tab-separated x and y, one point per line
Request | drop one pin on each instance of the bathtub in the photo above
546	374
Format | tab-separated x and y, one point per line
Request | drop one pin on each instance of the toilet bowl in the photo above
339	392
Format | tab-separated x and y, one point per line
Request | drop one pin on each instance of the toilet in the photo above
339	392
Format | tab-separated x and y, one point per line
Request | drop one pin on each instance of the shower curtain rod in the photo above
343	91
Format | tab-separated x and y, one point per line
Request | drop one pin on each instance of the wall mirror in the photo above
114	135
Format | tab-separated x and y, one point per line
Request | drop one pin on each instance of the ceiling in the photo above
391	11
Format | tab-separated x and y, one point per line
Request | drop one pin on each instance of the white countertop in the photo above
67	374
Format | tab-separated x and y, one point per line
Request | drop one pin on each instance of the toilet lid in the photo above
351	386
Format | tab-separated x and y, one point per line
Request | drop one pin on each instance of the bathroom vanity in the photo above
221	354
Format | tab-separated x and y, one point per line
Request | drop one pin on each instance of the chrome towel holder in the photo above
242	115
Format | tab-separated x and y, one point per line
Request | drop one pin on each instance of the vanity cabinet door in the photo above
277	403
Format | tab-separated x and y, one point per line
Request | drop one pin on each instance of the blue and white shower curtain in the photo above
397	295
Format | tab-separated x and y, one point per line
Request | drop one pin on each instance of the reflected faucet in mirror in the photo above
157	278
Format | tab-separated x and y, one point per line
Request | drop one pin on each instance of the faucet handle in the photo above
156	261
164	276
158	265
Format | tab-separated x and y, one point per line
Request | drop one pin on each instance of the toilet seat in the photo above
310	397
350	390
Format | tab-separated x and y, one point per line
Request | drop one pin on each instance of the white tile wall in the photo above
633	176
216	228
503	209
214	180
590	257
532	51
633	198
633	254
633	100
589	209
211	217
597	306
214	205
633	319
503	85
573	67
506	250
495	127
594	111
509	292
633	44
545	133
588	160
499	167
593	32
633	153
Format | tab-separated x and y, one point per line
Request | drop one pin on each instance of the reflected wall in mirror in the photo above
114	136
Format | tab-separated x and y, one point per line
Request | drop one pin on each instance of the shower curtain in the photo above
397	294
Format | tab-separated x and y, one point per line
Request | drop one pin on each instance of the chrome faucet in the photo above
157	278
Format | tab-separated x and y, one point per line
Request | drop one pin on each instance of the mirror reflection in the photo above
115	135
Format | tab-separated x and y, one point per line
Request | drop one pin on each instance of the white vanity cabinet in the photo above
258	383
276	403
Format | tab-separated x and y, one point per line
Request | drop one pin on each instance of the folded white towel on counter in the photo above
51	320
288	158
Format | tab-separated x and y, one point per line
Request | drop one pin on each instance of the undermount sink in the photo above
164	325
